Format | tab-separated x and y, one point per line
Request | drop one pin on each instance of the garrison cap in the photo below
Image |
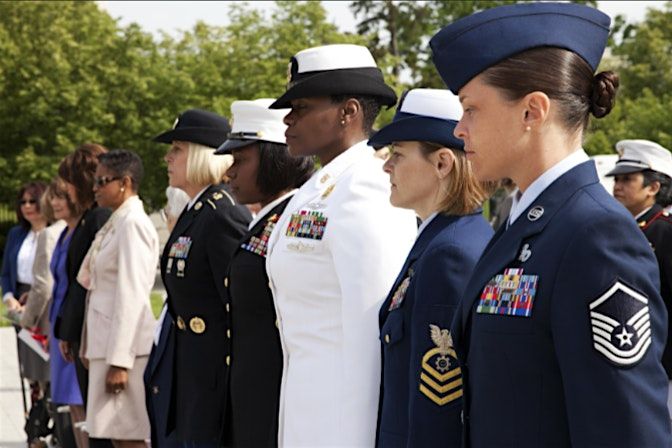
197	126
253	121
474	43
423	115
340	69
640	155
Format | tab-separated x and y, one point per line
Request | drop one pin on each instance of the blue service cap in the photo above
470	45
428	115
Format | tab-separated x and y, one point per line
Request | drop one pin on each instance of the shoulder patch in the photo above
620	325
440	374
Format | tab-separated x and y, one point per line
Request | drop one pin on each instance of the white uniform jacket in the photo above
332	258
119	273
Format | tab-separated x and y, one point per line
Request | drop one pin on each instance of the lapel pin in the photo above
536	213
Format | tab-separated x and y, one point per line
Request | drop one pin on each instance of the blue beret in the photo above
470	45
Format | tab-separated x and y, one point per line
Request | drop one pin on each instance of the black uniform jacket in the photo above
657	227
193	267
256	358
71	317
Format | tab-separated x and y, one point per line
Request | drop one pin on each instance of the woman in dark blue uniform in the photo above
263	172
421	387
193	268
561	329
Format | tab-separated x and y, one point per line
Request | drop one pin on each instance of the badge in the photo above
536	213
180	323
400	293
169	265
328	191
198	206
181	264
441	377
510	293
307	224
259	244
619	320
197	325
525	253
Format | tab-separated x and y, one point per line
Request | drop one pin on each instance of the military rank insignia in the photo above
400	293
510	294
307	224
619	319
441	377
259	244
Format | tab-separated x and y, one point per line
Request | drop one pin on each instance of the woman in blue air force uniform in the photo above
421	387
561	328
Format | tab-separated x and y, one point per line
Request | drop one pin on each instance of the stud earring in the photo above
342	122
528	129
123	189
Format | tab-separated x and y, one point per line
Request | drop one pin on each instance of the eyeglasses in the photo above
27	201
102	181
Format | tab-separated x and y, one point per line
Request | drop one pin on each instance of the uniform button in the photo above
270	286
228	333
228	308
155	390
226	282
387	338
277	323
228	360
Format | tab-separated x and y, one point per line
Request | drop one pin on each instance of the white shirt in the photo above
268	207
26	258
193	200
522	202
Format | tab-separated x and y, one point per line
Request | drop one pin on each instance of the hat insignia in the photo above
177	120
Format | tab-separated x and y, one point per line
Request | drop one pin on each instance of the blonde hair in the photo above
463	193
204	167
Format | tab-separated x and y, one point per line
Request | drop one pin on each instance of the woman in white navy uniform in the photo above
421	387
335	251
263	172
561	329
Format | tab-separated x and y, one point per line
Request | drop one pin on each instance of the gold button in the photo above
228	360
155	390
197	325
198	206
277	323
387	338
180	323
228	308
270	285
228	333
226	282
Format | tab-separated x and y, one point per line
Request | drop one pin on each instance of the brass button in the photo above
228	308
198	206
228	333
387	338
197	325
180	323
228	360
155	390
277	323
270	285
226	282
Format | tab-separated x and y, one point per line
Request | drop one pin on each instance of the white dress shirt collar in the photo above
268	207
522	202
193	200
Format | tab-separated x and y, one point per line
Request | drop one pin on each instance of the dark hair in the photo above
79	169
57	189
35	190
370	108
122	162
278	170
664	195
562	75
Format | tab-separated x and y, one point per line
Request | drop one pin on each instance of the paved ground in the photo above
11	408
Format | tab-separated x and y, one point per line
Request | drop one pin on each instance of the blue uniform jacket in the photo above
10	267
421	385
584	368
158	378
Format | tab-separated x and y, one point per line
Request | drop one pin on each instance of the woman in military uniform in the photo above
263	172
421	385
193	268
335	251
561	328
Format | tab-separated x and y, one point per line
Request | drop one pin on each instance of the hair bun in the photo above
605	85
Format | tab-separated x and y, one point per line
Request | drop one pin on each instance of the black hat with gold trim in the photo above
340	69
197	126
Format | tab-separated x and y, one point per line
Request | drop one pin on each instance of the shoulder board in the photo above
219	196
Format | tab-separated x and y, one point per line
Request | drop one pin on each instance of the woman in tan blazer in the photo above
118	272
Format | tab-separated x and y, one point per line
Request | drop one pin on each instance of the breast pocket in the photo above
393	329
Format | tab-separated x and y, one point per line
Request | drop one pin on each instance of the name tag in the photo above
509	294
307	224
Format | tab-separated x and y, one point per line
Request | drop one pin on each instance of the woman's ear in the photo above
127	183
351	108
444	159
536	107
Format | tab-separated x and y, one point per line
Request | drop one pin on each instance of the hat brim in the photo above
625	169
211	138
232	143
418	129
337	82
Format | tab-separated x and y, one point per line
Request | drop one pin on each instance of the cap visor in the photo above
232	144
418	129
625	169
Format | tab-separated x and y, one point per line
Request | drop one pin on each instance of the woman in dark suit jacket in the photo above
421	387
263	172
78	171
193	268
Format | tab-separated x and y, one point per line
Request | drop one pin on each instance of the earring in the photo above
123	189
528	129
342	122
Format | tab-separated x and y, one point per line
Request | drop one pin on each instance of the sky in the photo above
175	16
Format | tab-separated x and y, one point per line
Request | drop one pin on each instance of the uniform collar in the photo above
426	222
340	163
268	207
522	202
193	200
648	213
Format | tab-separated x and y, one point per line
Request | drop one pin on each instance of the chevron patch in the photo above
440	375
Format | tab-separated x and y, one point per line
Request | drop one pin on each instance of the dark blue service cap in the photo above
470	45
197	126
423	115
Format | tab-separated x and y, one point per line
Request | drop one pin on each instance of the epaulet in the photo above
218	196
